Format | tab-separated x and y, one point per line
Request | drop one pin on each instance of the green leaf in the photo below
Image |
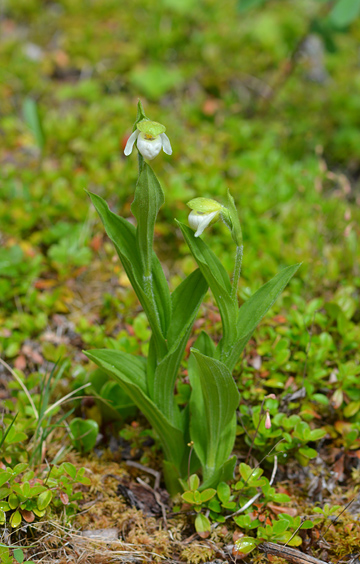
26	489
194	482
223	491
214	439
344	12
352	408
4	476
202	524
246	544
14	436
36	490
4	492
7	431
308	452
253	310
13	501
44	499
18	555
188	497
186	300
280	527
130	372
307	524
198	425
84	433
245	471
69	468
149	197
15	519
285	539
207	494
317	434
216	277
33	121
20	468
157	306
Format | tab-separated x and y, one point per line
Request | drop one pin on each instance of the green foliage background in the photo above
246	108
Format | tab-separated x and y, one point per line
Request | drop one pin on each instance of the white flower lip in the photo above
200	221
148	146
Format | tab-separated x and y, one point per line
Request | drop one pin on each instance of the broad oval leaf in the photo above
44	499
15	519
84	433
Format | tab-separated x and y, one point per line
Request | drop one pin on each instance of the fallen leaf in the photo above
20	362
237	535
64	498
338	468
204	534
28	516
277	509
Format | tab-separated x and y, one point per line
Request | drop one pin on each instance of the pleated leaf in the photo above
213	426
253	310
217	278
157	305
130	372
186	300
149	197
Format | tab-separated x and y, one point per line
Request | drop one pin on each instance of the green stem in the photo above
237	272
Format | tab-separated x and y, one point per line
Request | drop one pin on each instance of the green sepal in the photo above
204	205
152	128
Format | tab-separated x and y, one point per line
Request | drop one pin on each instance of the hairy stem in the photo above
237	272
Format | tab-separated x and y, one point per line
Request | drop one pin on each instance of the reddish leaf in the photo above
279	319
64	498
277	509
20	362
28	516
339	468
96	242
45	284
237	535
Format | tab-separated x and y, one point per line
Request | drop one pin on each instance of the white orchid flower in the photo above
151	138
204	212
199	221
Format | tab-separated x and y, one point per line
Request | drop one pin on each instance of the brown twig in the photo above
289	554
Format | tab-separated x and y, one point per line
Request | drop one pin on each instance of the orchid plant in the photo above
201	435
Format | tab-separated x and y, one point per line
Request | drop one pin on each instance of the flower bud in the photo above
199	221
204	212
267	420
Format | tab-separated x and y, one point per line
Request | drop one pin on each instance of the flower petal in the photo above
130	142
166	144
205	222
